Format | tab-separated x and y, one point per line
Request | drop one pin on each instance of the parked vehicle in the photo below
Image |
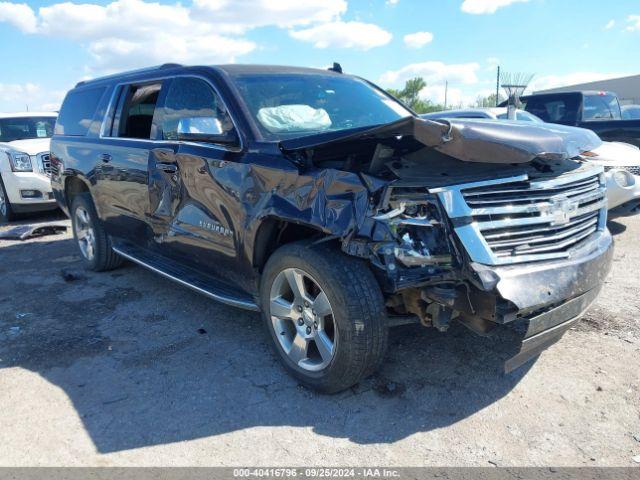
596	111
24	163
319	200
496	113
630	112
621	161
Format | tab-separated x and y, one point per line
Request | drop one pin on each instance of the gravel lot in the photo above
126	368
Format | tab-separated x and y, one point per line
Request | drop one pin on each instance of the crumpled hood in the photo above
31	146
482	141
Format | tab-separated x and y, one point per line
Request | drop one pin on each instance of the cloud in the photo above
433	72
340	34
20	15
555	81
610	24
480	7
455	96
492	64
392	2
634	23
418	39
134	33
17	97
241	15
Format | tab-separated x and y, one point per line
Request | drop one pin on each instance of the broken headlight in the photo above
421	239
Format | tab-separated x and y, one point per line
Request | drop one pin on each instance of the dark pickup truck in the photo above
597	111
322	202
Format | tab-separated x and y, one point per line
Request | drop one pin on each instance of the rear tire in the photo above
356	325
93	242
6	212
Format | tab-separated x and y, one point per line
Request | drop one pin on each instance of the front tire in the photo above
92	240
325	314
6	212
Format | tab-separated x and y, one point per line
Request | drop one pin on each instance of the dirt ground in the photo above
126	368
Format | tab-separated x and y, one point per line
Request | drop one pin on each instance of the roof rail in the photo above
129	73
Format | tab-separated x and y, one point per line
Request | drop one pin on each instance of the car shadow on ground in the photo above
616	228
146	362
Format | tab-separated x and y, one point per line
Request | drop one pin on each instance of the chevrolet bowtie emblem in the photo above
563	209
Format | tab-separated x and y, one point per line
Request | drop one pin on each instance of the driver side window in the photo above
192	98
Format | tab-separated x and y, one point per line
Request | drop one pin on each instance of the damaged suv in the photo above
321	201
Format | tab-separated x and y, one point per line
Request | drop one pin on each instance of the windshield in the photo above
296	105
22	128
603	106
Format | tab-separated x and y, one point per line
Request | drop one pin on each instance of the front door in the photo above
195	204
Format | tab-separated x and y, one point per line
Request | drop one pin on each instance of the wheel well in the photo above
274	233
72	187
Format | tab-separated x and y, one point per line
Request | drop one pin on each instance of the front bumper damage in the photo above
541	302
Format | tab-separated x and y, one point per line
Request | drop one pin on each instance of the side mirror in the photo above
204	129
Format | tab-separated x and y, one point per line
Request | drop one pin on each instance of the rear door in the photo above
127	150
195	205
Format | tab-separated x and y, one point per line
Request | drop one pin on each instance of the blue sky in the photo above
50	45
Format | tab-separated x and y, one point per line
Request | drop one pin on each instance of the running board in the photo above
187	277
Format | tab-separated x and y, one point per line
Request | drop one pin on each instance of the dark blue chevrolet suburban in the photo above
319	200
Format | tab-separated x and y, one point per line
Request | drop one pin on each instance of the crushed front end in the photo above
531	254
493	225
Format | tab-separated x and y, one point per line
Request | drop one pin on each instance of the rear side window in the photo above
192	98
78	111
139	108
561	109
600	107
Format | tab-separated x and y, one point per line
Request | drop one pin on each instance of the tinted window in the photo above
560	109
192	98
630	112
136	118
78	111
26	127
600	107
294	105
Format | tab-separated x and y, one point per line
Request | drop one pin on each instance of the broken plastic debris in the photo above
23	232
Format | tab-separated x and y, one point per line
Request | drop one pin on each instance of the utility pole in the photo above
446	92
498	87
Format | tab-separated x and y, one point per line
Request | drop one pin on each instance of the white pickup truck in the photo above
25	168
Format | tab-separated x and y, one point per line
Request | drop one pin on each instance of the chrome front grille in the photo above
45	163
634	170
517	220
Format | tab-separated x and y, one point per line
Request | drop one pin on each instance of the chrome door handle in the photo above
105	157
167	167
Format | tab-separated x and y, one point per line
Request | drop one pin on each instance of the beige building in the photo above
627	88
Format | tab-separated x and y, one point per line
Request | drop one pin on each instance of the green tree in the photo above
489	101
410	96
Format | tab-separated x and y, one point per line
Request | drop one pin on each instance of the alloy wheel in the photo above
84	233
302	319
